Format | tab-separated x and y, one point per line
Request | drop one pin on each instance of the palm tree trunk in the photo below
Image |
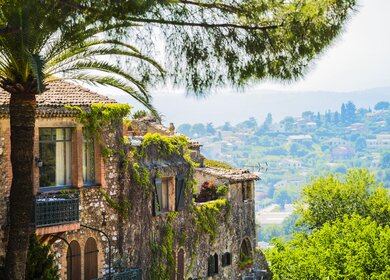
22	118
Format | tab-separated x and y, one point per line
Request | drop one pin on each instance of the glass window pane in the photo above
48	169
88	162
60	134
56	155
68	133
68	163
44	134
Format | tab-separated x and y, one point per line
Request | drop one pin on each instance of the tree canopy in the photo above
345	235
332	197
351	248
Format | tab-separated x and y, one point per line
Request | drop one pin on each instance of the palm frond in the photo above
106	67
37	66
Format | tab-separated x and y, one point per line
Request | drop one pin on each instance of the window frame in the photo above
68	142
89	156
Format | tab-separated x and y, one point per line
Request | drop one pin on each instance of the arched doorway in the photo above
246	254
74	261
90	259
180	264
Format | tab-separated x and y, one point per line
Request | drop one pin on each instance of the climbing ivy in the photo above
166	146
163	258
140	175
206	216
122	207
99	115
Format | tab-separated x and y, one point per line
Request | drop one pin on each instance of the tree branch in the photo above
204	24
224	7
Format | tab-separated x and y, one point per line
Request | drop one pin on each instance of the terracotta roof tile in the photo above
57	95
233	175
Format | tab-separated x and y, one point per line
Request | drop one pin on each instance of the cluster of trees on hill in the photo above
343	232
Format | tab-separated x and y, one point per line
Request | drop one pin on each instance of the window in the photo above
246	190
212	265
88	162
179	191
55	152
226	259
168	194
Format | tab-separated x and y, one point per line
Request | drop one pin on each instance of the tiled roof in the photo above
233	175
58	94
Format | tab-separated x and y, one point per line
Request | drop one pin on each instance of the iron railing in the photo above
128	274
56	209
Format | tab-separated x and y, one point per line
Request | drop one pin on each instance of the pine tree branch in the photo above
204	24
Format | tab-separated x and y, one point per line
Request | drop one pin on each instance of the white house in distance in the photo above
381	141
301	138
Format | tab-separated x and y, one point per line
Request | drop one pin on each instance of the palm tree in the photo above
34	51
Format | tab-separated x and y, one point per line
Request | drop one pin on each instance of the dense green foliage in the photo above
40	262
165	146
332	197
351	248
345	235
217	164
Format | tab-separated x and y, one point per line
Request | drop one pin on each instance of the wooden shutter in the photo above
180	185
215	263
74	261
157	196
210	266
90	259
180	265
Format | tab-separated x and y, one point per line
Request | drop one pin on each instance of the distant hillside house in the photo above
381	141
342	153
358	127
290	163
277	127
333	142
302	138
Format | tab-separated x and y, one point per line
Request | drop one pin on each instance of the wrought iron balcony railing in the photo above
128	274
56	209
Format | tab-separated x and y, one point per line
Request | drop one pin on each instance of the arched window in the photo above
90	259
246	254
180	265
73	258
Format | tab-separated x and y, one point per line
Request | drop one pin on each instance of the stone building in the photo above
129	199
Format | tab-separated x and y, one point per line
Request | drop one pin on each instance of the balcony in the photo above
56	213
128	274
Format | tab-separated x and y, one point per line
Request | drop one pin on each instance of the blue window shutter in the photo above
157	196
179	190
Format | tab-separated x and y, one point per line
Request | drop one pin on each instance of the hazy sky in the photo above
359	59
